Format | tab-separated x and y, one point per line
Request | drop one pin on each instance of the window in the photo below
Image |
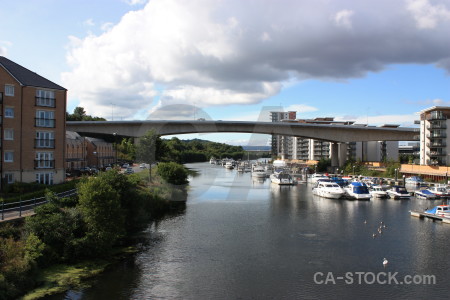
45	139
45	118
9	112
45	98
9	90
9	177
9	134
8	156
44	160
44	178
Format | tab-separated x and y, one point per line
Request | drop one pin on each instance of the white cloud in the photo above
135	2
402	120
89	22
212	53
426	14
343	18
301	108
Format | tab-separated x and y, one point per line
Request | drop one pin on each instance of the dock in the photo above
422	215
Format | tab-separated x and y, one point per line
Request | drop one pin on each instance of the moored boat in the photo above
440	210
440	191
357	190
282	179
398	192
316	176
425	194
377	191
258	171
328	189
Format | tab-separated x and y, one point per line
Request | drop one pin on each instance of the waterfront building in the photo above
99	153
32	122
282	144
75	151
433	135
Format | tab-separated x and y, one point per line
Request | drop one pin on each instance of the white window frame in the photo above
44	160
9	90
45	118
44	178
44	139
8	134
8	156
45	98
9	178
11	112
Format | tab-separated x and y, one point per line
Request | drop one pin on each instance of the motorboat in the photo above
229	165
398	192
340	181
440	191
377	191
258	171
316	176
282	179
415	181
328	189
425	194
357	190
440	210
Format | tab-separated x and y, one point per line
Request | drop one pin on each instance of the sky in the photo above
372	62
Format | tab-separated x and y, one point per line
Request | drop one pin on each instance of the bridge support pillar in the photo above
334	147
342	154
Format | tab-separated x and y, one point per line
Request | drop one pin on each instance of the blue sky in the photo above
356	60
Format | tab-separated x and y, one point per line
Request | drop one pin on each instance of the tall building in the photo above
433	135
33	111
282	144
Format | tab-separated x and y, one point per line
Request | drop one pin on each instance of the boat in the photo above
377	191
440	210
258	171
282	179
340	181
328	189
229	165
357	190
241	168
415	181
398	192
425	194
440	191
316	176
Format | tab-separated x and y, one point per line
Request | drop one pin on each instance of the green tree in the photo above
100	206
79	114
146	150
173	173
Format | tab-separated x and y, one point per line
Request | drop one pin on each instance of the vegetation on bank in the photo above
360	168
77	237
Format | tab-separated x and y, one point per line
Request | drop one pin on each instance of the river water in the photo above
243	239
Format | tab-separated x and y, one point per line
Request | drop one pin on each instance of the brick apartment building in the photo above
32	126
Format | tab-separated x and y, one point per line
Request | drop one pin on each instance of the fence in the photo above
23	208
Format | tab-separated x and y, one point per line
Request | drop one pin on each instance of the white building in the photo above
433	135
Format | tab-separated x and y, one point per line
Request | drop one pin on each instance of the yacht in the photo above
315	177
229	165
258	171
425	194
357	190
398	192
282	179
328	189
377	191
440	191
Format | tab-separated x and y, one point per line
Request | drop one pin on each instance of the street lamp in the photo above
115	148
95	154
396	173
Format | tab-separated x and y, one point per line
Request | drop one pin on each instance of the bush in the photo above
173	173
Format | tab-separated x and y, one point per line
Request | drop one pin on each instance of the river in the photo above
243	239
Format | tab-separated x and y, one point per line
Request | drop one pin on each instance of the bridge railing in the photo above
21	208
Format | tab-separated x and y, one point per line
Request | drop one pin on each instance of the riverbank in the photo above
66	243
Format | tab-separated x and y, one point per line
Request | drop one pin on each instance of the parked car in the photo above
125	166
108	169
129	171
143	166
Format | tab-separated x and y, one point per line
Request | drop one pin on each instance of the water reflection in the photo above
241	238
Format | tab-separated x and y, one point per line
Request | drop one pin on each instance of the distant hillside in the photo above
256	148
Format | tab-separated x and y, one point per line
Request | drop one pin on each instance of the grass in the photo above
60	278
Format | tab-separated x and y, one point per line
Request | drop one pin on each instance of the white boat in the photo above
258	171
229	165
282	179
415	181
357	190
425	194
440	210
315	177
328	189
377	191
398	192
440	191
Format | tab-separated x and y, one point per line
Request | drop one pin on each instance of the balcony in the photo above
47	102
440	144
436	115
42	122
44	164
438	125
44	143
436	135
436	153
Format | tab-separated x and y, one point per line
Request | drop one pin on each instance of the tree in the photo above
79	114
173	173
146	150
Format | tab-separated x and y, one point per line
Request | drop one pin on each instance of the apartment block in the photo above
32	126
434	122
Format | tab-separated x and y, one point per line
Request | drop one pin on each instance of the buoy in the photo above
385	262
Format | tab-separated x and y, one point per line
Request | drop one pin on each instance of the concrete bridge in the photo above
333	133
